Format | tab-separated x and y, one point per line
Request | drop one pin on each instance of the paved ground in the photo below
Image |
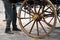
55	35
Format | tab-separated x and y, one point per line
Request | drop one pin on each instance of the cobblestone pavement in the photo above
55	35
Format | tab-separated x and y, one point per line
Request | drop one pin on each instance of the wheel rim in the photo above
38	26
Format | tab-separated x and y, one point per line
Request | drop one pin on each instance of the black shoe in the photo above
8	31
16	29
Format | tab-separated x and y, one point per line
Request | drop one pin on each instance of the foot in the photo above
9	32
16	29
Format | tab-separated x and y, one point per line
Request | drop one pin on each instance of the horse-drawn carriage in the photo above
37	18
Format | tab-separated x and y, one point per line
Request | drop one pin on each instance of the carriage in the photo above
37	18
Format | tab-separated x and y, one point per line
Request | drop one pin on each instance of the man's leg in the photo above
15	19
8	29
8	8
8	22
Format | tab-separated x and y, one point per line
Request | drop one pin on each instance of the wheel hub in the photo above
37	17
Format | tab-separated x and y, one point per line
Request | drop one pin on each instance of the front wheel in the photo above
37	20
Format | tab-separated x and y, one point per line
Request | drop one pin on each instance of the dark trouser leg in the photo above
14	17
8	22
8	26
8	9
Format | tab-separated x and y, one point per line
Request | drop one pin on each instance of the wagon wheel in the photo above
40	24
58	12
57	7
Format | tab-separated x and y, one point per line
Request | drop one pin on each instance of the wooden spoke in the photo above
39	10
37	28
42	27
27	23
51	19
24	15
29	8
31	11
43	9
24	18
27	12
48	8
24	11
34	7
58	19
47	11
47	23
32	27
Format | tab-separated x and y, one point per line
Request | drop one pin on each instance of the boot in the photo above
8	30
15	28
